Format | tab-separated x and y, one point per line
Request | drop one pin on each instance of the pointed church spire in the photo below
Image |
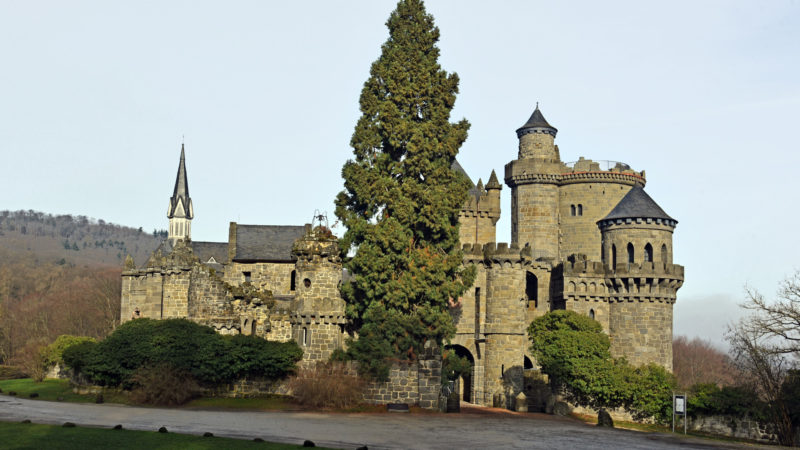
180	211
180	202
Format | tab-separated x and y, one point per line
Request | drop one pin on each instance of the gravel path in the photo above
475	428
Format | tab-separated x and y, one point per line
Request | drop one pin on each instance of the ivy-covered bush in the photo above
187	347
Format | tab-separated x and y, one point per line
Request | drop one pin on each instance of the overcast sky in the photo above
96	98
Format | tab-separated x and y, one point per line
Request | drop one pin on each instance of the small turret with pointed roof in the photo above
181	210
536	124
493	183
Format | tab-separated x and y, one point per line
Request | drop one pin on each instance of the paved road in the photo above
378	431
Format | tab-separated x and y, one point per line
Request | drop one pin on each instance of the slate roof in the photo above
473	190
266	242
637	204
206	250
181	191
536	120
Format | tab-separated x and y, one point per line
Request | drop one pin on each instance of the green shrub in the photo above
53	353
77	356
187	347
710	399
573	350
255	357
453	366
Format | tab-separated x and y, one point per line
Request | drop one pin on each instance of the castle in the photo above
585	236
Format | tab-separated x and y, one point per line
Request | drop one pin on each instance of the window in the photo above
591	313
247	277
664	254
572	210
648	253
293	281
613	256
307	283
532	289
477	312
580	210
630	252
305	336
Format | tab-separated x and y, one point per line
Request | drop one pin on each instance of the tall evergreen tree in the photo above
401	199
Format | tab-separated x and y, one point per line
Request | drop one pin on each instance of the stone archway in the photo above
467	381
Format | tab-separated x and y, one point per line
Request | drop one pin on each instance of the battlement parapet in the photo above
647	269
318	242
318	317
497	253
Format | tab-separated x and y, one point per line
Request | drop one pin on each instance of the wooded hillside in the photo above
61	275
79	240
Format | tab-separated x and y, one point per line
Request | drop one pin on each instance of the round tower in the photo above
641	279
533	178
318	323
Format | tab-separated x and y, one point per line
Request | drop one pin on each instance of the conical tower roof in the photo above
638	205
535	123
180	205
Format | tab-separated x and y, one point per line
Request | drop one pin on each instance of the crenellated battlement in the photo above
497	253
622	269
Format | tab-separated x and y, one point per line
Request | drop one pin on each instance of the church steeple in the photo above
180	212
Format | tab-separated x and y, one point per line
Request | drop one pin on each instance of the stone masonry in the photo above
584	237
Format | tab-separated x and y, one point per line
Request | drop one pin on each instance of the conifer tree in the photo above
401	199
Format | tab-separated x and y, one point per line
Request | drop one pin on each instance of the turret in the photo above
637	231
534	179
318	322
641	279
536	139
479	214
181	211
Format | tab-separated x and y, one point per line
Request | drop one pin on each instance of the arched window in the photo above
630	252
613	257
664	255
305	336
580	210
293	281
532	289
572	210
591	313
648	253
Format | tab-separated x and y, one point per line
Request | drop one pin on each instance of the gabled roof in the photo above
637	205
207	250
536	122
266	242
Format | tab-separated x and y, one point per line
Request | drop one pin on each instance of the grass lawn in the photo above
53	389
30	436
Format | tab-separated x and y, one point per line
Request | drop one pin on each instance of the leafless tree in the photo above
779	320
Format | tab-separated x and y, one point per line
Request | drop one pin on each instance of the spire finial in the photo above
537	105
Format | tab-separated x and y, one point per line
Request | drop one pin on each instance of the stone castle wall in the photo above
276	277
591	202
641	331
